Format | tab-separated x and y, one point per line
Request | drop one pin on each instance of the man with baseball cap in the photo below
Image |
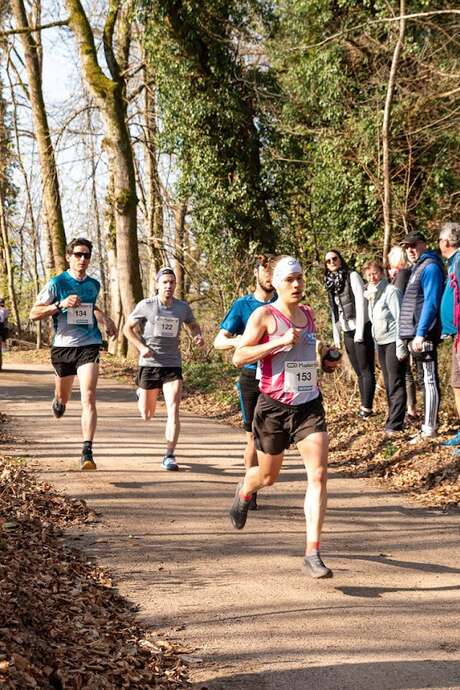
419	324
154	329
228	338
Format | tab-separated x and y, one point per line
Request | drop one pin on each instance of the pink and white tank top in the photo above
290	375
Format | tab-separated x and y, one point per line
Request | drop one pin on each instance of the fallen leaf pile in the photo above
428	472
62	623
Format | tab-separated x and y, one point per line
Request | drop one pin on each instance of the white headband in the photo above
285	268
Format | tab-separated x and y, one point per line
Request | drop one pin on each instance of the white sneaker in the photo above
422	436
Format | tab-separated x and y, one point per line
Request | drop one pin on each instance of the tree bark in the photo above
51	194
97	219
387	200
154	201
118	346
29	206
109	95
179	255
8	263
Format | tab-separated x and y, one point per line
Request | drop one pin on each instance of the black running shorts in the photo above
150	378
277	425
248	391
66	360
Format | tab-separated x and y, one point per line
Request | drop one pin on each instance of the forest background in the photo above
198	133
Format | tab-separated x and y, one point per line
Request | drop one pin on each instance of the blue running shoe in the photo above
169	463
454	441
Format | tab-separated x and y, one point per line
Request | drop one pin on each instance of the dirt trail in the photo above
389	619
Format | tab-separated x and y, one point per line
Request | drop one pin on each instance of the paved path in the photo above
389	619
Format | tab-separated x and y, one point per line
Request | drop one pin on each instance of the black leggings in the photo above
362	358
394	376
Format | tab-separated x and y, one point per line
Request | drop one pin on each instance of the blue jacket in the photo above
447	304
422	298
432	282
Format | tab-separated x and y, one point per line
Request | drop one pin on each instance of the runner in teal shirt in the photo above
70	299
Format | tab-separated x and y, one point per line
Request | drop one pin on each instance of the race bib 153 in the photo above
299	377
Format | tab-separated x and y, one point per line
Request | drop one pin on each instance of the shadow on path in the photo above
382	675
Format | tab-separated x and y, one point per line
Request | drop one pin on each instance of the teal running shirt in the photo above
73	327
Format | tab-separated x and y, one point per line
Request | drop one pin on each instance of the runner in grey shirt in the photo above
154	328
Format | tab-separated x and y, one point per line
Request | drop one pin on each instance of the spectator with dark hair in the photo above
399	270
420	327
449	245
349	315
384	306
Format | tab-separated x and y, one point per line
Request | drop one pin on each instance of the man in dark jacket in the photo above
419	324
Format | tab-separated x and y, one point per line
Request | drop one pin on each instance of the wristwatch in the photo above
58	306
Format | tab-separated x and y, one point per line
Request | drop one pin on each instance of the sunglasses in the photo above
332	260
82	255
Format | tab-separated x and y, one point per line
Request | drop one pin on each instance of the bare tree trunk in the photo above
30	209
154	203
119	345
387	201
51	195
5	159
179	255
97	219
109	94
8	263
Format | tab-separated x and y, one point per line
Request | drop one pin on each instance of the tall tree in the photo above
208	99
109	94
154	199
51	195
386	132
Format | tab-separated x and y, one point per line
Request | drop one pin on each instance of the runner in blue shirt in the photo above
231	329
70	298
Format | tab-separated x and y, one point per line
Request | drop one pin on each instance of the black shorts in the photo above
150	378
66	360
277	425
4	332
248	391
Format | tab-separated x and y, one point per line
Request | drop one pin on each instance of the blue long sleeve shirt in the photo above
447	304
432	284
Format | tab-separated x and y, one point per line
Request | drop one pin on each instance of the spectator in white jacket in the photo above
384	301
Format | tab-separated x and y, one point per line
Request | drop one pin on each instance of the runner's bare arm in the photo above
106	322
250	349
130	332
195	331
42	311
225	340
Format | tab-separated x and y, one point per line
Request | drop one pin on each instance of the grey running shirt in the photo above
160	330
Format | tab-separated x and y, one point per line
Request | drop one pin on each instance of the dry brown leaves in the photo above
428	472
62	624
